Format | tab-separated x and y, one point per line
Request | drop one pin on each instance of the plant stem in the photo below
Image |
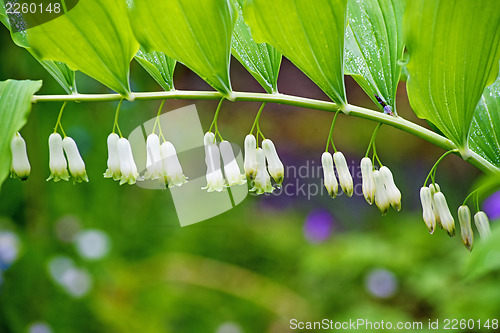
433	169
372	140
115	125
58	122
157	121
471	194
330	135
348	109
214	122
256	121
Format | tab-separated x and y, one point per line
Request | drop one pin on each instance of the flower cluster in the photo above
378	185
215	177
345	178
436	212
257	171
58	147
162	163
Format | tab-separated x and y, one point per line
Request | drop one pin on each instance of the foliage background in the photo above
152	280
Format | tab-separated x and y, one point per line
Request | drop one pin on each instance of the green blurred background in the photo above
99	257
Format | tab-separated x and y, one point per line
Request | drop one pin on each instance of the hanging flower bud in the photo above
393	193
368	182
262	182
465	227
57	162
209	138
154	163
482	224
329	174
434	189
428	212
250	164
231	168
128	169
20	166
113	169
274	165
444	213
345	178
171	170
381	198
215	179
75	161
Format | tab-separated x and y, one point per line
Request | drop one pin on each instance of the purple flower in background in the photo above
318	226
491	206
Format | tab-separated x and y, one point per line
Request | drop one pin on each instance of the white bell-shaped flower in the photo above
20	166
75	161
171	169
345	178
428	212
113	169
447	220
231	168
482	224
154	163
215	179
57	162
434	189
393	193
250	164
330	180
367	178
381	198
274	164
128	168
262	181
464	218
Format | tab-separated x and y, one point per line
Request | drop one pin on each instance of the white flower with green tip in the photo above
171	169
345	178
75	161
330	180
447	220
113	170
215	179
154	164
128	168
482	224
465	226
250	163
381	198
274	164
57	162
368	185
393	193
20	166
262	182
231	168
427	210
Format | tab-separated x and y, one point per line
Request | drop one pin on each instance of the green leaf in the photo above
310	34
484	136
94	37
454	48
196	33
261	60
60	71
159	66
15	106
373	46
